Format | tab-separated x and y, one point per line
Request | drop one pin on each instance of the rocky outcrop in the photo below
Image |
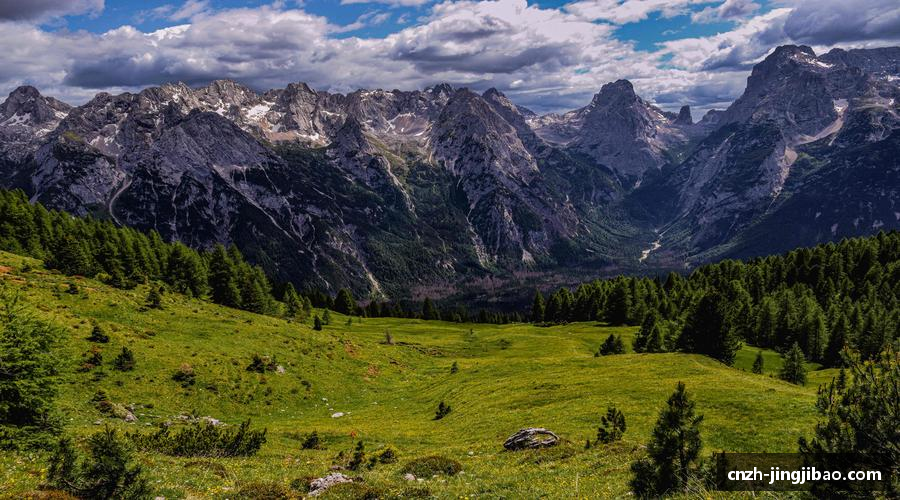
530	438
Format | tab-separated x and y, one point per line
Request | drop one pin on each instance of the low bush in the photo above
312	442
202	440
185	375
262	364
429	466
124	361
262	491
108	472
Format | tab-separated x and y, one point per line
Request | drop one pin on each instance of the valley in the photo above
509	377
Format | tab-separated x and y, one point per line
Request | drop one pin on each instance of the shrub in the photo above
355	490
154	298
124	361
202	440
312	442
72	289
92	359
262	364
185	375
613	426
262	491
98	334
358	458
442	411
386	455
430	466
107	473
612	345
454	368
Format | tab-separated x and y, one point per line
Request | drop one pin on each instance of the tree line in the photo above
124	257
820	299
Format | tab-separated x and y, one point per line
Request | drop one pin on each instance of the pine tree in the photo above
612	345
537	307
428	310
223	278
758	363
317	323
154	298
793	369
859	427
108	472
28	376
618	305
706	330
673	449
344	303
292	303
326	317
612	426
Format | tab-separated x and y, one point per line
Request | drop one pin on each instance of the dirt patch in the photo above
5	269
350	348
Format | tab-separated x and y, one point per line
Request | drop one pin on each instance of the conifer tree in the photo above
612	426
859	430
326	317
618	305
793	369
706	330
317	323
673	449
28	376
758	363
293	305
344	303
537	307
428	310
223	278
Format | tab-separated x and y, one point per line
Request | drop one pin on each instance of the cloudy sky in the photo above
548	55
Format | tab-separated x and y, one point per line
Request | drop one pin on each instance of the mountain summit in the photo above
394	193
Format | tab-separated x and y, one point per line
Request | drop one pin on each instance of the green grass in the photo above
510	376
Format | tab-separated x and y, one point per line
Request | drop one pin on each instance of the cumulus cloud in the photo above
727	10
396	3
41	9
828	22
548	59
629	11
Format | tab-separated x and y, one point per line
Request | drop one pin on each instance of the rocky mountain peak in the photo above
27	104
615	93
684	116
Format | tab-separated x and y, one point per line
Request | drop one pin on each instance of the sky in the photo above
547	55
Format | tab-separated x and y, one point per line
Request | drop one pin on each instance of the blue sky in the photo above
549	55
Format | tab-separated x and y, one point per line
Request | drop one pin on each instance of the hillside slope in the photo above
510	376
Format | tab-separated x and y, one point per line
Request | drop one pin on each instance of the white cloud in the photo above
829	22
729	9
396	3
544	58
629	11
190	9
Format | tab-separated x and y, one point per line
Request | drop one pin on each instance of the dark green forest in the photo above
822	298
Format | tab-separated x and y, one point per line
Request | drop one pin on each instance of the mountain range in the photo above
411	193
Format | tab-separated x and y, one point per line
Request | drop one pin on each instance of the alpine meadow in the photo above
235	265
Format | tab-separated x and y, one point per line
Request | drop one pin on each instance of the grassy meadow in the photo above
509	377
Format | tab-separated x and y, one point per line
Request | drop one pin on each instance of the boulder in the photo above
532	437
318	486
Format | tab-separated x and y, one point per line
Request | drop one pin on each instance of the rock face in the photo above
532	437
785	138
318	486
393	192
